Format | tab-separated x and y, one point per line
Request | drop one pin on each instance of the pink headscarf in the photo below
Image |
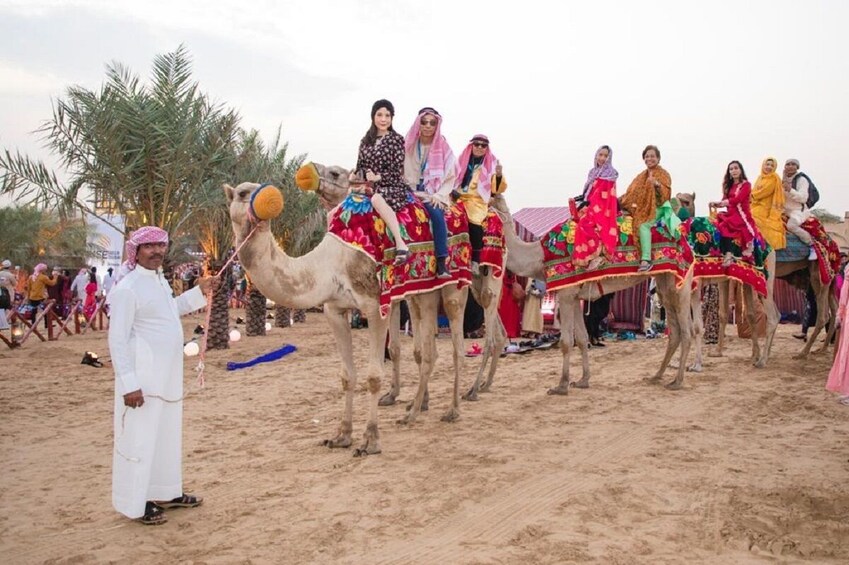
487	167
40	268
147	234
438	155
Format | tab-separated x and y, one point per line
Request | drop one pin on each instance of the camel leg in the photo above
752	318
698	328
723	318
377	344
582	340
496	346
822	293
832	326
455	305
567	298
492	297
341	328
677	304
773	315
486	291
423	307
390	397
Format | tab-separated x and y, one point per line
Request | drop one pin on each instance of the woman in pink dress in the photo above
838	377
90	304
736	222
596	229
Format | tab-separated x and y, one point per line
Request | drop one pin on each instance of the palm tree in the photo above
139	151
254	312
29	236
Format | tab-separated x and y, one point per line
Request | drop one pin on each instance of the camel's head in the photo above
329	182
240	202
688	201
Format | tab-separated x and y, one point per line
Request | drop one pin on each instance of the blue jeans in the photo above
440	229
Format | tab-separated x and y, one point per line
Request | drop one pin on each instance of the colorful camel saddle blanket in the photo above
827	250
668	256
704	237
355	223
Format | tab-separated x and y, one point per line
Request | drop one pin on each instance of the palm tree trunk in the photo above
299	316
282	317
255	312
219	319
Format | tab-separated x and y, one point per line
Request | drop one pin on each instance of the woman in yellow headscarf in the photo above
768	204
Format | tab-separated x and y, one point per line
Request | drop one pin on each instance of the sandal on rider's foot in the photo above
645	266
442	271
184	501
154	515
401	257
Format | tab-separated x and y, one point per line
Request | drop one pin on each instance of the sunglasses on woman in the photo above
428	122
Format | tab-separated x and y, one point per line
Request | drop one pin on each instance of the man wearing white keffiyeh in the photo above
146	343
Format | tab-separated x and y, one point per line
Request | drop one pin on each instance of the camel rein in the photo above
201	361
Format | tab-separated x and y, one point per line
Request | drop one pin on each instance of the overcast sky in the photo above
707	82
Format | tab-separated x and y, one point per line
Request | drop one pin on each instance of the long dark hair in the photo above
371	135
728	182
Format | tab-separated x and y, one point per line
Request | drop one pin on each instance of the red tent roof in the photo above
533	223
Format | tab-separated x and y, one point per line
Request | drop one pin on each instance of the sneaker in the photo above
802	336
476	268
645	266
512	348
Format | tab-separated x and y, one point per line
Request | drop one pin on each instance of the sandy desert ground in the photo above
742	466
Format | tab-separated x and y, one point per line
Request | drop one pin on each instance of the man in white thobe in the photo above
146	343
7	281
78	285
108	281
796	200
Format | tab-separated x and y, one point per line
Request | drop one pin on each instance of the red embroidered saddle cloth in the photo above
704	238
668	256
355	223
827	250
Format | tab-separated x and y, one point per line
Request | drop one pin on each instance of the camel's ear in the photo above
228	192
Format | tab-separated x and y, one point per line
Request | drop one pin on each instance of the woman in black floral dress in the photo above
381	160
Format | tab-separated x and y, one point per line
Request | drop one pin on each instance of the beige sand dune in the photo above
742	466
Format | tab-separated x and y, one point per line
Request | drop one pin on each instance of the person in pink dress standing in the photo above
838	377
736	222
90	304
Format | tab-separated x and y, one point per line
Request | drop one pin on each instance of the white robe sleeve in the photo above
800	193
191	301
122	314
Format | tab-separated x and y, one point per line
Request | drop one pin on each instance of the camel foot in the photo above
759	363
406	420
338	441
370	446
451	416
471	395
485	387
583	383
695	368
559	390
387	399
674	385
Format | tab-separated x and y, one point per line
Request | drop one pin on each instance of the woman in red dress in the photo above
90	304
510	307
736	222
596	230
